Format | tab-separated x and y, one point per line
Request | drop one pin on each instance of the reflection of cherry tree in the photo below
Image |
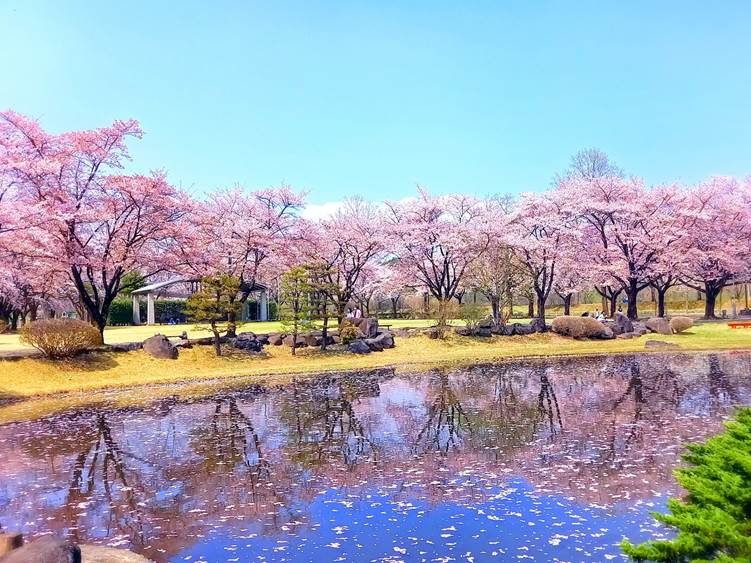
228	440
721	390
324	425
445	421
99	476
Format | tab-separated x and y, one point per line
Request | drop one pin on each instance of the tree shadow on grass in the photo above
93	361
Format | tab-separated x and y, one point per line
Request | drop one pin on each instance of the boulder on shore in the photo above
381	342
538	325
249	342
581	327
359	347
276	339
621	324
660	325
299	341
159	346
46	549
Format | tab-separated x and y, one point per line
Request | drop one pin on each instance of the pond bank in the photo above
32	388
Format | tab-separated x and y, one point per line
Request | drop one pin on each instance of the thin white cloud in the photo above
317	212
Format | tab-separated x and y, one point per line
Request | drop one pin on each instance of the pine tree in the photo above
297	306
215	303
714	520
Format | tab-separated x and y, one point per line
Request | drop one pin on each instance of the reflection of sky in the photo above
514	524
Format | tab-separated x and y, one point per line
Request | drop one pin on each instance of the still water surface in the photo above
539	460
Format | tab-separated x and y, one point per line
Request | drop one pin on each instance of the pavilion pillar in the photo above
263	313
136	310
150	316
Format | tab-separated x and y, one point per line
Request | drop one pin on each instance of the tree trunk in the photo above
567	304
711	291
325	332
632	292
495	305
541	307
217	339
661	301
231	324
394	305
531	308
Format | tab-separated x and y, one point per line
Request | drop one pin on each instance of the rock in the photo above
183	344
621	324
626	335
159	346
679	324
374	345
606	334
184	335
359	347
485	323
263	339
640	329
463	331
381	342
100	554
433	333
502	330
9	542
660	344
126	347
248	341
485	332
46	549
581	327
538	325
313	340
276	339
299	342
521	330
660	325
367	325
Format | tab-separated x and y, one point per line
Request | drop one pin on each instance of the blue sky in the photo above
372	98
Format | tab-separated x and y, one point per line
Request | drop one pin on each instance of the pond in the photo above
542	460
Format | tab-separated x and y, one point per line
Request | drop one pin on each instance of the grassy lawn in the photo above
37	377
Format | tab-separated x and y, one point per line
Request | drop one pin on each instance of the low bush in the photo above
579	327
347	331
679	324
60	338
714	519
472	314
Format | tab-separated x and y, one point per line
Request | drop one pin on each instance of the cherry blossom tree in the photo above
344	247
435	240
719	248
251	236
85	220
540	236
624	228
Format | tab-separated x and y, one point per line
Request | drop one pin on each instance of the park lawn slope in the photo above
35	377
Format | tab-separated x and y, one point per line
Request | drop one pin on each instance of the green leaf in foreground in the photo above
714	519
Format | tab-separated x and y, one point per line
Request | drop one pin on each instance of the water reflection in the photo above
536	459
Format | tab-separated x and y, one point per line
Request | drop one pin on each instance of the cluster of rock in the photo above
620	326
487	328
367	338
